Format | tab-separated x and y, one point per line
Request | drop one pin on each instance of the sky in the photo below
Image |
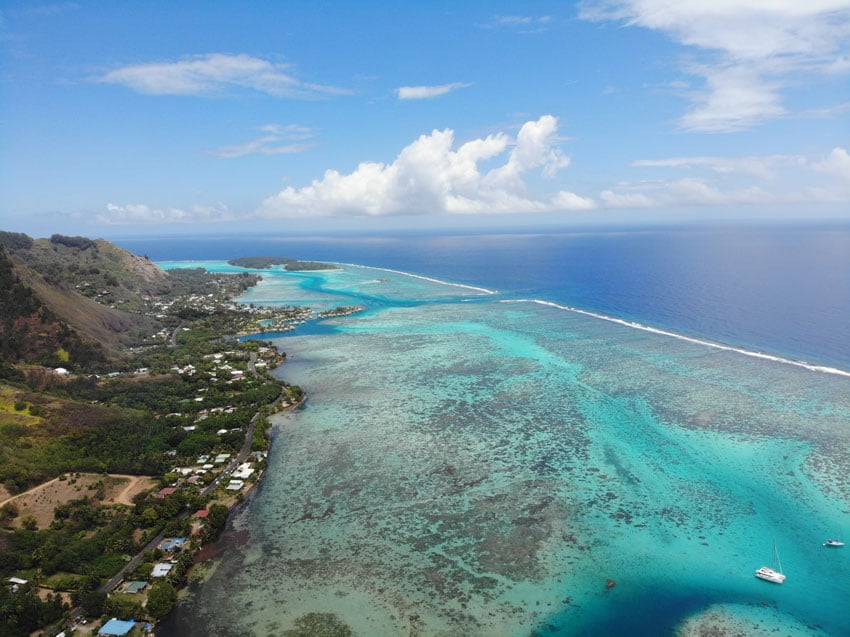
127	118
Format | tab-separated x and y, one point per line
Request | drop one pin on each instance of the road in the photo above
239	459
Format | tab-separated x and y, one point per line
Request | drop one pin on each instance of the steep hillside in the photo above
72	301
96	269
30	331
93	320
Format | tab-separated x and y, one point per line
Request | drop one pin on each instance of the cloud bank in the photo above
213	74
431	176
753	180
143	214
751	50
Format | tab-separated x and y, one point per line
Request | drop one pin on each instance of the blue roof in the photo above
116	627
171	543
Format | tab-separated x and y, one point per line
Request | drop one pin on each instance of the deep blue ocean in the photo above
782	290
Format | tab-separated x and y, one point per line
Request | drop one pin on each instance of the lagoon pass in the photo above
470	466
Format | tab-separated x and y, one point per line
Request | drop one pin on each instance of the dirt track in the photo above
40	501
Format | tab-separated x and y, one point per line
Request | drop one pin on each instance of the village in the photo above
208	401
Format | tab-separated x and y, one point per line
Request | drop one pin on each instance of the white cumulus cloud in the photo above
212	74
430	175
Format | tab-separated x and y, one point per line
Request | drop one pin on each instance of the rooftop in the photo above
116	627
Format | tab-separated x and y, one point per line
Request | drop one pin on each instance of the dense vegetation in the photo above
127	423
183	392
87	543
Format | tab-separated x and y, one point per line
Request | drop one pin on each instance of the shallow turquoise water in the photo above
466	466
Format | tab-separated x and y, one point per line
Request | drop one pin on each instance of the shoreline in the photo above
290	586
194	574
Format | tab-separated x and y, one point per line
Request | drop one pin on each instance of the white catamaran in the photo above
774	574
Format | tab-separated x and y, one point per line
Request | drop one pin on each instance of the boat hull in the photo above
769	575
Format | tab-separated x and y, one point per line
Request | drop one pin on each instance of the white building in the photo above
161	569
244	471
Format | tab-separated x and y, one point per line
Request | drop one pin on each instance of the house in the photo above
161	569
160	495
135	587
244	471
235	485
116	627
16	583
172	543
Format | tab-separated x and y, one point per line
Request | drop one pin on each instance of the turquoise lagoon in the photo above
473	464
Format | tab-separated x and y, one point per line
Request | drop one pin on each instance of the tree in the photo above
92	603
8	512
150	516
215	523
161	599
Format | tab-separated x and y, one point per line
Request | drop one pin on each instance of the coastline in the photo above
300	595
207	555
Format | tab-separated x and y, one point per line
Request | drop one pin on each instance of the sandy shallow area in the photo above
738	620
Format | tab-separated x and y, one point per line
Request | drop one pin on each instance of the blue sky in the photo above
167	117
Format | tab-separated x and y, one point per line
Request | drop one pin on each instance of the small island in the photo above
290	265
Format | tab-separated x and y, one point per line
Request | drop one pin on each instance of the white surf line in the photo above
698	341
419	276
